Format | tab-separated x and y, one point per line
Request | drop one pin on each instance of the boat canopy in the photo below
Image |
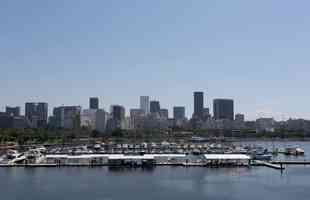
226	157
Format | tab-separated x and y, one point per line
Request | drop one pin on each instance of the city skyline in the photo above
65	52
98	101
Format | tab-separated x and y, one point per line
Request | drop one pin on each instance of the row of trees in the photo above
35	136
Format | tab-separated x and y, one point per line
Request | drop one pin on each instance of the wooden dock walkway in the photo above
291	162
267	164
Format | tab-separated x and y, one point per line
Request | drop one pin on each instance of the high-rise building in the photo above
117	112
67	117
12	111
145	104
198	105
164	113
88	119
223	109
154	107
134	113
94	119
117	117
101	120
179	112
36	114
136	116
94	103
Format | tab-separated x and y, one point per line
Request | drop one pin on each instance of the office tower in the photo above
223	109
198	105
94	119
117	120
36	114
179	112
88	118
12	111
134	113
136	116
94	103
145	104
67	117
239	117
164	113
154	106
118	112
6	121
101	120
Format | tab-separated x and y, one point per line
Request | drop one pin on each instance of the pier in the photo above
267	164
291	162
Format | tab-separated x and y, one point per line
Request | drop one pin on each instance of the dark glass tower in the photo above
36	113
179	112
223	109
94	103
154	106
198	105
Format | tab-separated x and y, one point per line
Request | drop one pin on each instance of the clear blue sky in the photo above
62	52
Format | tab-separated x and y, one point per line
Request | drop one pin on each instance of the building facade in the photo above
223	109
136	117
67	117
239	117
94	103
12	111
198	105
154	107
164	114
36	114
179	112
145	104
94	119
117	117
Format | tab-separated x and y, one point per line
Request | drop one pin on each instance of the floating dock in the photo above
267	164
292	162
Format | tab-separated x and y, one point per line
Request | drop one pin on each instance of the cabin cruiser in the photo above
296	151
12	154
260	153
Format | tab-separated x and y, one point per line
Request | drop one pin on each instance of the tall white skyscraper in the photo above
145	104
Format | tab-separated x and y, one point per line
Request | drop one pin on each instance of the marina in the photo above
149	155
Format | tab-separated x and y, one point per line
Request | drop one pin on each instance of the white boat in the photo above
294	151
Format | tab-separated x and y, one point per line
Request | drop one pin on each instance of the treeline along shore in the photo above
59	136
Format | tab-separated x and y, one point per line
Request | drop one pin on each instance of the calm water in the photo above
159	183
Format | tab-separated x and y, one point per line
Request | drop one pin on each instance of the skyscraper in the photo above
223	109
179	112
198	105
36	113
145	104
12	111
155	106
67	117
94	119
117	120
94	103
118	112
